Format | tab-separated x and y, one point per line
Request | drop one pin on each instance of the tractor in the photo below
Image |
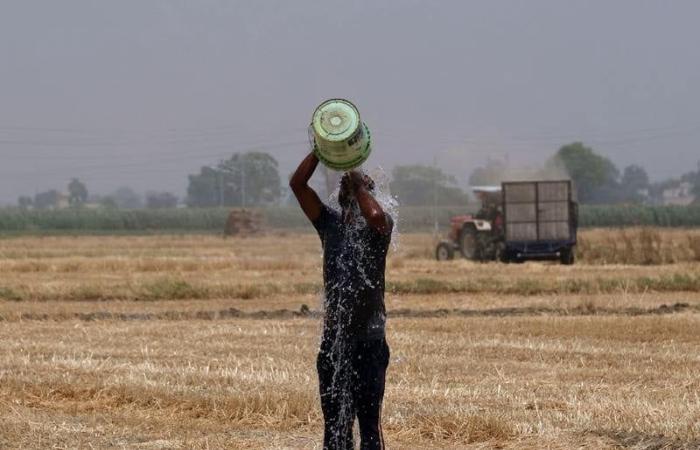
518	221
476	236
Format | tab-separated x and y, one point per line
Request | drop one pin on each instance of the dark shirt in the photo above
354	259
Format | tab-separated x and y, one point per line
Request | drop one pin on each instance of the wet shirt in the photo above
354	259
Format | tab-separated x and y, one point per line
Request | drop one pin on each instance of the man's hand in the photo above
372	211
356	180
352	180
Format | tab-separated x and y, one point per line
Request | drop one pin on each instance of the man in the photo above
354	354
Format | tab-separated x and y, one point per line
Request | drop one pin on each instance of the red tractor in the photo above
517	222
479	236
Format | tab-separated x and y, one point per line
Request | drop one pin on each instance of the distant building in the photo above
678	194
51	200
644	193
63	201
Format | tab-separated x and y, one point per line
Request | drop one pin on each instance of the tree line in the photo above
77	196
253	179
597	179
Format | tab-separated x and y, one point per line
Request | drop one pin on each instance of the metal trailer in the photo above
541	220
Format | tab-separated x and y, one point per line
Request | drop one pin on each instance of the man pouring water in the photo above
354	355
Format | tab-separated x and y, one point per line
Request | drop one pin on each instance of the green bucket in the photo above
341	140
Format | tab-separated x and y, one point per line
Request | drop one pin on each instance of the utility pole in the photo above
220	177
435	223
242	181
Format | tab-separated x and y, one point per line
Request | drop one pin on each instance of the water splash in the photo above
388	202
351	278
382	193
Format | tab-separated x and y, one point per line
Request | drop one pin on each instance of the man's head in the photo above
346	194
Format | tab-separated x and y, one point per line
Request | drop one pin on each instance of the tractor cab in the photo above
476	236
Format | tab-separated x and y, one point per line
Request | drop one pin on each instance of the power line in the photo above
181	136
121	141
142	165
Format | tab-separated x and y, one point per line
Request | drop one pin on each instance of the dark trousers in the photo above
351	380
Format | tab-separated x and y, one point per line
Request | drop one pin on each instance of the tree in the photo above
635	181
77	192
595	176
47	200
25	202
424	185
496	171
248	179
108	202
207	188
161	200
490	174
125	197
694	179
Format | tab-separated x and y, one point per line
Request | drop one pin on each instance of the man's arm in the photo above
369	206
307	197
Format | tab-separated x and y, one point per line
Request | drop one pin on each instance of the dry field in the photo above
199	342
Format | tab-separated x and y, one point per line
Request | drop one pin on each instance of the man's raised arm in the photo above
307	197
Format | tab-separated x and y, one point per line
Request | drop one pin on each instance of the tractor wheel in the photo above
468	243
567	257
500	253
444	251
505	258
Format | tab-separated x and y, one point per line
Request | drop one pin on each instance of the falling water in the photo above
382	194
350	268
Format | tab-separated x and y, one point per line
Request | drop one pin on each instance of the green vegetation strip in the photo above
411	218
177	289
585	309
669	283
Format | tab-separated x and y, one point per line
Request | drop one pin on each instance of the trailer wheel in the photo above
468	243
444	252
567	257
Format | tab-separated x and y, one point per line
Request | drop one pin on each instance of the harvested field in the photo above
199	342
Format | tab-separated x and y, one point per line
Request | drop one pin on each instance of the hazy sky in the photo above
141	93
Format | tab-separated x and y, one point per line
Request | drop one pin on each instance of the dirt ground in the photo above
200	342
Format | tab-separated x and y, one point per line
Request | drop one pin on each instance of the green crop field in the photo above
411	218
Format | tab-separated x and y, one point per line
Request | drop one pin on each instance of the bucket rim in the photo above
322	133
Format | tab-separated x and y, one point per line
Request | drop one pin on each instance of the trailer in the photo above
540	221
